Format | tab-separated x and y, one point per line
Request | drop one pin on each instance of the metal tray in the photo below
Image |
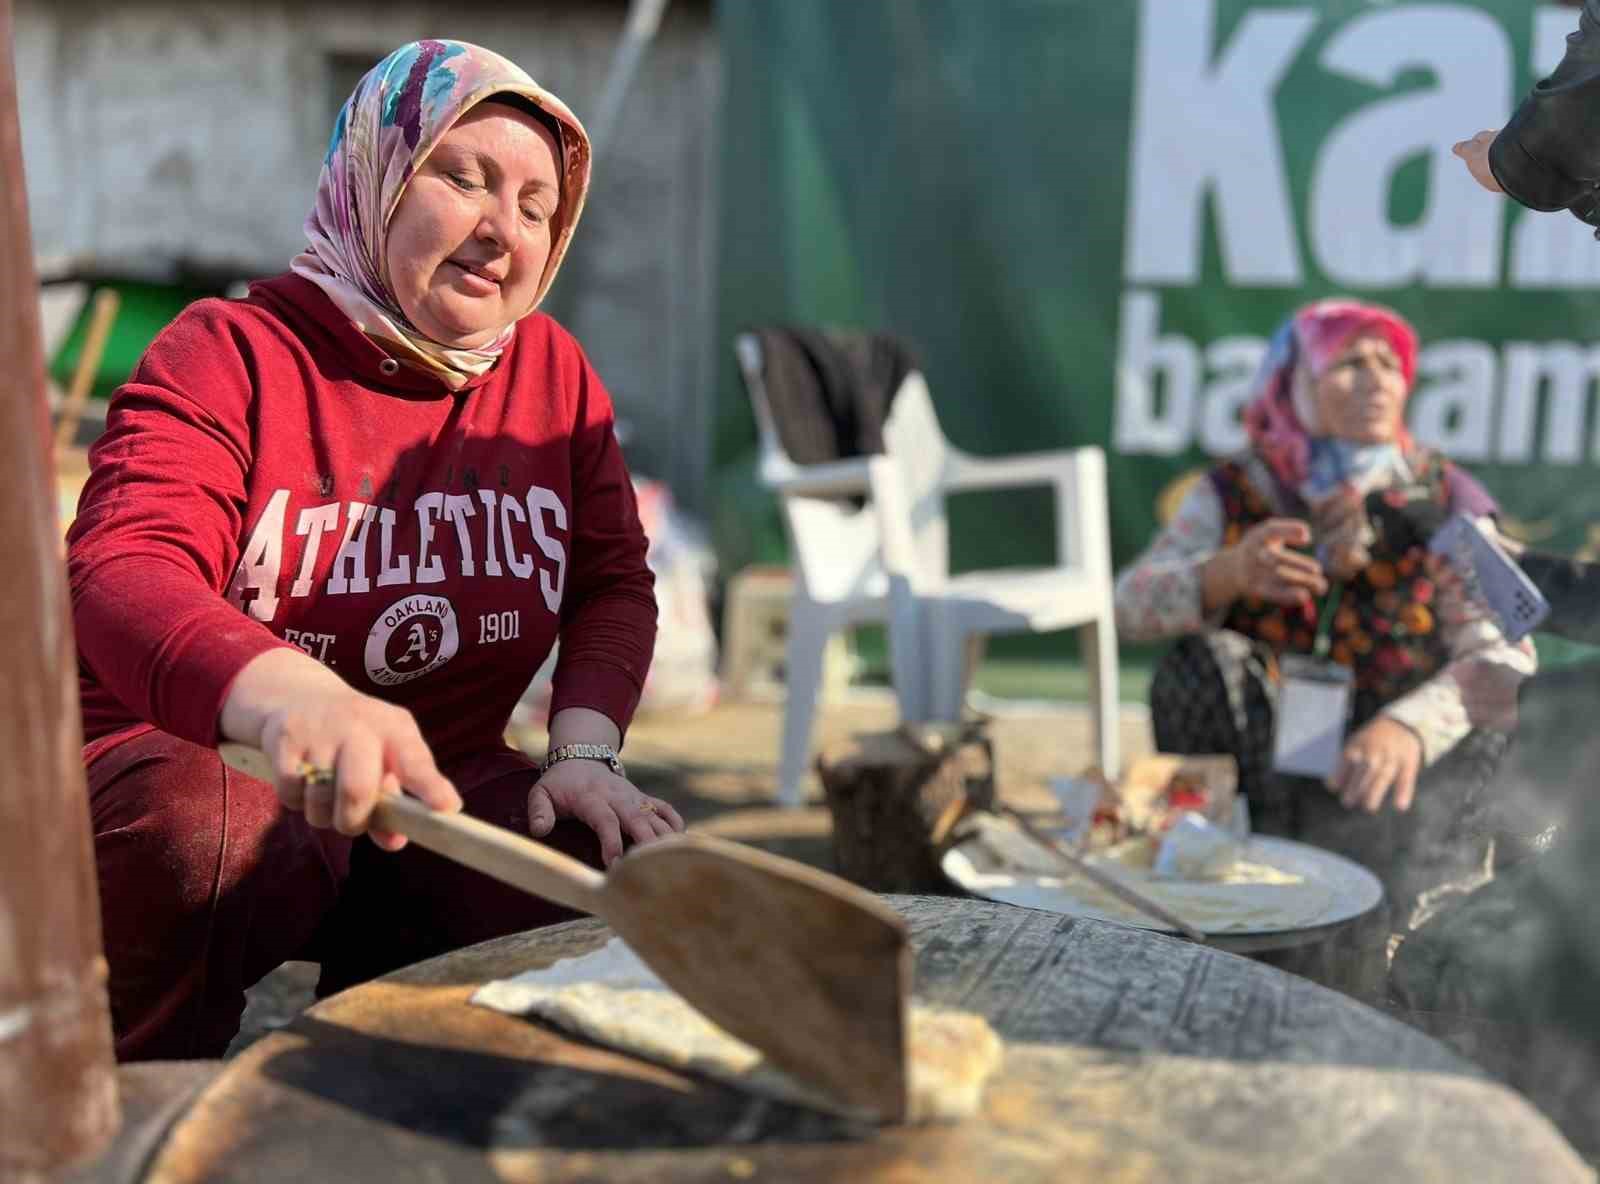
1355	891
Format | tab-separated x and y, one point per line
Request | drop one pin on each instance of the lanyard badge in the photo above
1313	706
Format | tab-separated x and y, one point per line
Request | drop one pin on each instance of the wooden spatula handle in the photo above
507	856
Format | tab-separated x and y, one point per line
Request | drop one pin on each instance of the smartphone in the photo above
1491	575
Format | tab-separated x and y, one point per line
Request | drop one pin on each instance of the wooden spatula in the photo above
808	968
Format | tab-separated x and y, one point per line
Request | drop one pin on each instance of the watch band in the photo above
603	753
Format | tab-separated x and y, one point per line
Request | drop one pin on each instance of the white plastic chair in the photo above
947	613
837	553
888	563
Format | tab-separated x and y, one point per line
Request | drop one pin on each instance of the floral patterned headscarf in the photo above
1284	403
396	115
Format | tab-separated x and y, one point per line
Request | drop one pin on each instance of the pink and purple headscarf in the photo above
1281	416
399	110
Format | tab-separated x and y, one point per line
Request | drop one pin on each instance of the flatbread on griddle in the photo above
612	998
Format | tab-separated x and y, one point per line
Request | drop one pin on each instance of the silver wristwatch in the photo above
603	753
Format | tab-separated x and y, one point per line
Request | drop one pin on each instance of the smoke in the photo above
1510	973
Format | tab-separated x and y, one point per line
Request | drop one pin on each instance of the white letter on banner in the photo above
1200	128
1142	426
1568	373
1233	362
1457	240
1453	408
1552	250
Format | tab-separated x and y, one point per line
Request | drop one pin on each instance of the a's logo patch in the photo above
411	638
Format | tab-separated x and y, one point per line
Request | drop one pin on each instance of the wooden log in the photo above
57	1077
896	796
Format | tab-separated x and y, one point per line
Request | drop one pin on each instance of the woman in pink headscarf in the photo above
344	520
1275	547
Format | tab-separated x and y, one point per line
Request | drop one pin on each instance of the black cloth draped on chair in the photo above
830	389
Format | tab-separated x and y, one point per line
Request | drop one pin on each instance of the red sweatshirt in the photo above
268	477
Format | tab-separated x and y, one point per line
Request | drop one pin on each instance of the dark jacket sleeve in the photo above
1548	156
1572	587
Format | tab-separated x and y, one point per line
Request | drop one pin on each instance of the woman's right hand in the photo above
1344	534
1263	564
304	717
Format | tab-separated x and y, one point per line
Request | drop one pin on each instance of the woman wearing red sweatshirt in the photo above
345	519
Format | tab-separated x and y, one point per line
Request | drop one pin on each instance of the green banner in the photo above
1088	217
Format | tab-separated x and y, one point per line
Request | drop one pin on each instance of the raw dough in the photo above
611	997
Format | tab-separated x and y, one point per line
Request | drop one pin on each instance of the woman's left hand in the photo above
1380	761
609	805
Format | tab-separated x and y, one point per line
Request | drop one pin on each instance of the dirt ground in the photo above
719	768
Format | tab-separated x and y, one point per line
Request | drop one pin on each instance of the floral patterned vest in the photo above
1384	630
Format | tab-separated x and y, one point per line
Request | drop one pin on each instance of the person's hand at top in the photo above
1263	564
1475	152
609	804
333	749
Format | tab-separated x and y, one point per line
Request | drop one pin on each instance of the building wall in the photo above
168	133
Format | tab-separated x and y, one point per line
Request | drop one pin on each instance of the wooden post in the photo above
58	1098
896	796
102	315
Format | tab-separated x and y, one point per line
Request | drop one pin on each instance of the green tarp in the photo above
1088	216
144	311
